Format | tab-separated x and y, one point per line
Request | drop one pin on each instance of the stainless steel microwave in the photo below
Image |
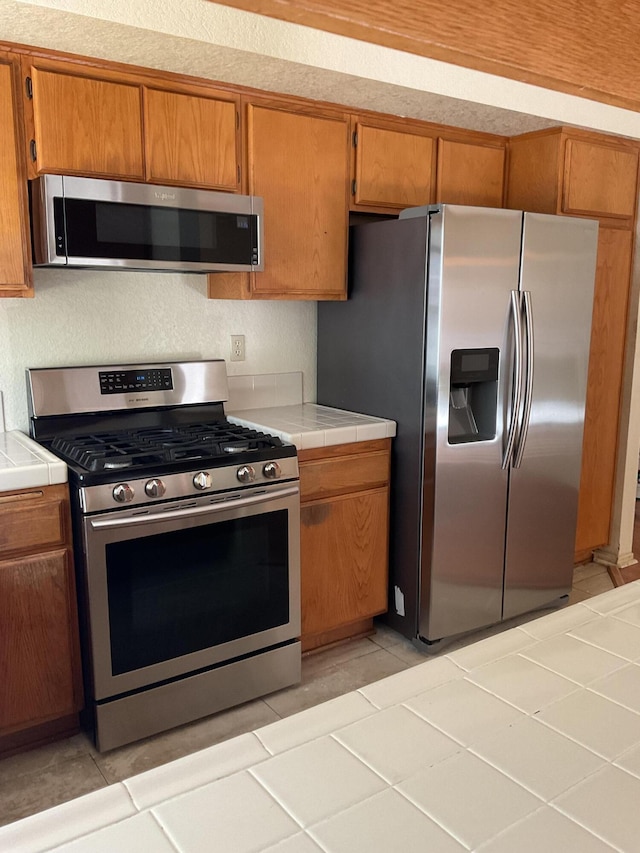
83	222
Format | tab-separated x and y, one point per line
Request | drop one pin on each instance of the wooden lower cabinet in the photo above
39	645
343	540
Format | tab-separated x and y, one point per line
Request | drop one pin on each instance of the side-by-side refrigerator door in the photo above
557	281
473	269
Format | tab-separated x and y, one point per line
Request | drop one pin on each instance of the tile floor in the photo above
41	778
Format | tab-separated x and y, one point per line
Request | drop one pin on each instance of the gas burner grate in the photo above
149	446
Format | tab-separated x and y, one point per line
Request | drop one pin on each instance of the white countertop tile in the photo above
507	755
309	425
235	814
79	817
469	798
384	823
447	708
317	780
622	686
536	756
140	832
598	723
25	464
547	829
570	657
396	743
607	804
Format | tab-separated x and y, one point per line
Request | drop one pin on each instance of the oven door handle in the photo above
189	512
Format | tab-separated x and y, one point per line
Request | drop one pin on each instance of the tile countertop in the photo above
310	425
24	464
526	741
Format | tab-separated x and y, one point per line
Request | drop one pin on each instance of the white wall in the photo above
80	317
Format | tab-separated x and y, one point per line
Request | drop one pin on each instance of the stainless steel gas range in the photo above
186	540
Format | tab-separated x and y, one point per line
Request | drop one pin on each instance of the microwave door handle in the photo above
192	512
528	388
516	397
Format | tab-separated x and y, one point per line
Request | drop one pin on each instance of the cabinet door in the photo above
470	174
87	126
15	245
599	179
343	556
392	168
38	645
34	520
191	140
298	164
606	363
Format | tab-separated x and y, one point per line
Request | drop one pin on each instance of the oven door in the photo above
180	587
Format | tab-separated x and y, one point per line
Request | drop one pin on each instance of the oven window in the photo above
176	593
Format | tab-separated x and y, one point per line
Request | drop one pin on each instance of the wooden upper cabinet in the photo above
599	179
86	125
15	245
191	140
393	168
470	173
574	172
298	163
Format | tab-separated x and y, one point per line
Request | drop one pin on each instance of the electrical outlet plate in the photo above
237	348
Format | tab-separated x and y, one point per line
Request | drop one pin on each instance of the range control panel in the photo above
119	381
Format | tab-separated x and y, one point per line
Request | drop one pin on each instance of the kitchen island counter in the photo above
526	740
25	464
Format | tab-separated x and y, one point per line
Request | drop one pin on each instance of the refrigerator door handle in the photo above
528	388
516	398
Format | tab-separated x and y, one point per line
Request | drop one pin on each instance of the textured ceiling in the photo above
39	25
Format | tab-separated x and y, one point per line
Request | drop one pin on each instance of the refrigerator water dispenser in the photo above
473	395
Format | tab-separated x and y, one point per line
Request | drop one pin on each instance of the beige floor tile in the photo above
119	764
335	681
578	595
316	662
595	585
41	789
384	635
44	758
588	570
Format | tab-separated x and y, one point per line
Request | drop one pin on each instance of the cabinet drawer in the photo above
352	473
31	522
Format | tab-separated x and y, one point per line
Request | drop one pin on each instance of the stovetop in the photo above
156	449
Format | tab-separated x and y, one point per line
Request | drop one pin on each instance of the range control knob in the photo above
246	474
271	471
155	488
202	480
123	493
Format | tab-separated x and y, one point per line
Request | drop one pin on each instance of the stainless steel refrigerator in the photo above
470	327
